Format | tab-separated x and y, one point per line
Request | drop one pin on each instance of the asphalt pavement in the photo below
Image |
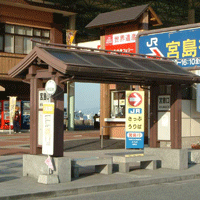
86	144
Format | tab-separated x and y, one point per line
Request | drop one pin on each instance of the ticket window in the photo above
117	104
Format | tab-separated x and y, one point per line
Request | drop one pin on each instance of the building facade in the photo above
21	21
120	26
113	95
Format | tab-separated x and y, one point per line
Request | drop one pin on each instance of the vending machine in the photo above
0	112
5	114
25	115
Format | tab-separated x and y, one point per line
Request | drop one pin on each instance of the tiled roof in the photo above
93	65
118	16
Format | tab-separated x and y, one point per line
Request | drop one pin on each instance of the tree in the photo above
171	13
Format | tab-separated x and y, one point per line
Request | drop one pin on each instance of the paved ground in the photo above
77	144
14	186
17	144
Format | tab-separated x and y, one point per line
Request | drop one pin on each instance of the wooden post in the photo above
153	115
34	85
176	109
58	118
105	108
145	21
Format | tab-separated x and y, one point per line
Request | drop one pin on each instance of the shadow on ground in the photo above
84	127
93	144
8	178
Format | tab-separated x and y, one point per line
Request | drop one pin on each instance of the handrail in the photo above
102	133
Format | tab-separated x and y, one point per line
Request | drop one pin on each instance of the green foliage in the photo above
171	13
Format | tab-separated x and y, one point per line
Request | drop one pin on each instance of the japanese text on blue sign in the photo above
182	45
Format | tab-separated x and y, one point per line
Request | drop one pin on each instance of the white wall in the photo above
90	44
190	119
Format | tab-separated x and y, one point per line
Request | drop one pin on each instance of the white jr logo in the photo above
153	41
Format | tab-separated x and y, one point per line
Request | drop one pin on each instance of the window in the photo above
29	31
9	43
45	34
16	39
117	104
37	32
165	89
27	45
19	30
9	29
18	44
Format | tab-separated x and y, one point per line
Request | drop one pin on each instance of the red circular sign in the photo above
135	99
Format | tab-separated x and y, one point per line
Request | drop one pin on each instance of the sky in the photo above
87	97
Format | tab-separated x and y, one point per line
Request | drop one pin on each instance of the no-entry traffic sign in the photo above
135	99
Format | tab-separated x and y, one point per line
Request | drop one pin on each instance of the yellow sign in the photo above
70	35
134	155
48	108
134	112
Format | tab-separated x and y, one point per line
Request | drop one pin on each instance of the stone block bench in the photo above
102	165
124	162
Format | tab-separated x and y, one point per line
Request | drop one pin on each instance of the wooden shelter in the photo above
63	63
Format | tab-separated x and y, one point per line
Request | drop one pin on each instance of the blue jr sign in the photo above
183	46
135	111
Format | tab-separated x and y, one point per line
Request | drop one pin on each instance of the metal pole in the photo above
102	137
9	128
125	137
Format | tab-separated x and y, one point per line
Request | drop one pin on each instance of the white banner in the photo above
48	129
12	104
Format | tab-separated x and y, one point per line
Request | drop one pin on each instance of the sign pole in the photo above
48	125
50	171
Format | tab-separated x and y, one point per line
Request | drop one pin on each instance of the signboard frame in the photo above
164	103
124	42
135	120
48	129
41	91
42	94
180	43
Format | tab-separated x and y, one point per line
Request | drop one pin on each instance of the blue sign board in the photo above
183	46
134	140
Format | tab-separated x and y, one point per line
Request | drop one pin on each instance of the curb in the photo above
99	188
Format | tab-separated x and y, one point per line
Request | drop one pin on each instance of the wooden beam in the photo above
43	74
153	14
176	121
33	69
105	108
35	84
51	70
145	21
154	91
58	118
